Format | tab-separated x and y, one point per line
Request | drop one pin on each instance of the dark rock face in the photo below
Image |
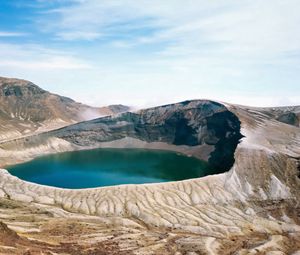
226	127
286	114
19	89
188	123
290	118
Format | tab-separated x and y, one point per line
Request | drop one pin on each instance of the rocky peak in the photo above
16	87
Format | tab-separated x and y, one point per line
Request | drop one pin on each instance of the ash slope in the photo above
251	209
25	108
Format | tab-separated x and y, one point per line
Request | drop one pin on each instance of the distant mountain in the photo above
289	115
26	108
286	114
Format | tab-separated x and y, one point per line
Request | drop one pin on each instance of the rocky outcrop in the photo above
289	115
290	118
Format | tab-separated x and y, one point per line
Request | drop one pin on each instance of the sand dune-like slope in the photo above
251	208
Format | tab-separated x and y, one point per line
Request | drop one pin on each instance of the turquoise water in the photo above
105	167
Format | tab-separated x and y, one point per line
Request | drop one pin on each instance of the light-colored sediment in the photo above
252	209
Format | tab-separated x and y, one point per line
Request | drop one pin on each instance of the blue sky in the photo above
144	53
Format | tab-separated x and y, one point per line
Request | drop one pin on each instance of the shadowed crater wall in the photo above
202	128
190	123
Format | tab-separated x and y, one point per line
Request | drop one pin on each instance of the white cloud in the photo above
229	33
36	58
11	34
46	64
70	36
243	52
247	27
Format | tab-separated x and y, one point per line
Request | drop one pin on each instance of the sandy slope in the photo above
252	209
